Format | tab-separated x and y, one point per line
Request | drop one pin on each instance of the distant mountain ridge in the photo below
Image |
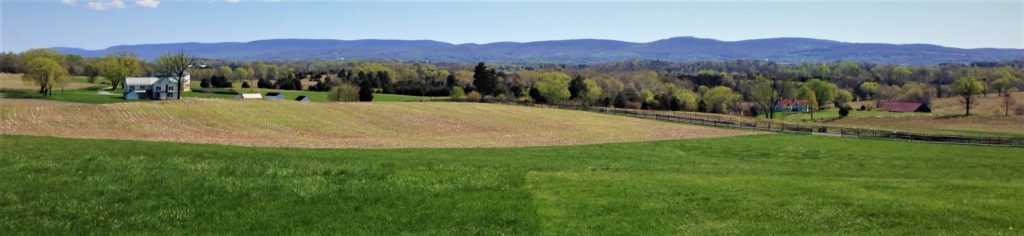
789	50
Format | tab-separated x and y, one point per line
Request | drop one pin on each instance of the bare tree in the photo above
176	64
1008	102
767	93
968	89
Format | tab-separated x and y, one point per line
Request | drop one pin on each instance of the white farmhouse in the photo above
157	88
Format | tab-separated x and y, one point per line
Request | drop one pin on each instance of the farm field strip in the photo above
369	125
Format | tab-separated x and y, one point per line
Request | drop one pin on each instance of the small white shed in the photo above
245	96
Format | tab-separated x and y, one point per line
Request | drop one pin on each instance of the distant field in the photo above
14	82
946	118
834	113
294	124
749	185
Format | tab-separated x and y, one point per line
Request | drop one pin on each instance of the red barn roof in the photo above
789	102
902	107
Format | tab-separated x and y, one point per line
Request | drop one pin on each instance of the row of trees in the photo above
753	88
48	68
716	86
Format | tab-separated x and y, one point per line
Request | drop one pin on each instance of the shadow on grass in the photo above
79	96
941	117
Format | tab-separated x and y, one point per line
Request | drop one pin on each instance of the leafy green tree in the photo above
870	89
241	74
915	92
719	98
485	79
1005	80
27	56
118	66
554	87
808	94
687	99
843	96
226	71
824	91
593	92
968	89
45	72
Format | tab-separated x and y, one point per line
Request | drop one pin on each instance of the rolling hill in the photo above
571	51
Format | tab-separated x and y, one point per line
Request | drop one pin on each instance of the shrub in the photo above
457	93
475	96
264	83
844	111
245	84
344	93
863	107
204	83
218	81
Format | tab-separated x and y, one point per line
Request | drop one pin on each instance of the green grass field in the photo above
88	95
763	184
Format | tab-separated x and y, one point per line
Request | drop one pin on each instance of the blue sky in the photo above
97	24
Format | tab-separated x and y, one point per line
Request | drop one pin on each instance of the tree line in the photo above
751	87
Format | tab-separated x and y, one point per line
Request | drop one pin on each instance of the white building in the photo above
157	88
150	88
246	96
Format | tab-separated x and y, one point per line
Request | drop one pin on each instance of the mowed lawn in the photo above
754	185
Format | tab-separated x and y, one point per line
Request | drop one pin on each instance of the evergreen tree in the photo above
365	91
485	79
577	87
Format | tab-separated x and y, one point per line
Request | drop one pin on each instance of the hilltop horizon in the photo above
103	23
682	48
519	41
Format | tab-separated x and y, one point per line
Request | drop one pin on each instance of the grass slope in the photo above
764	184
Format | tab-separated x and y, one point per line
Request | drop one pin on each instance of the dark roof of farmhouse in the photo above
273	94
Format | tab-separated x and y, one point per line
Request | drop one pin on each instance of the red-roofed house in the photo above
906	107
789	104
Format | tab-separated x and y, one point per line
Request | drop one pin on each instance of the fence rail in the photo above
769	126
